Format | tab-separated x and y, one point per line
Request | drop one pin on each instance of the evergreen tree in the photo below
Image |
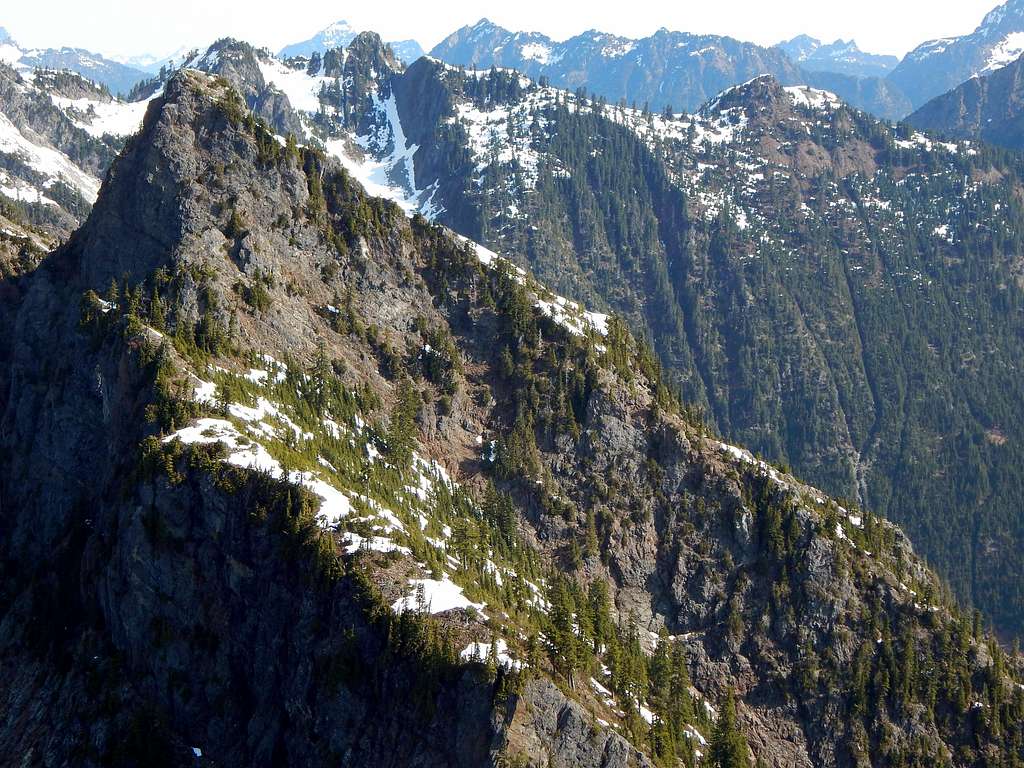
401	434
728	747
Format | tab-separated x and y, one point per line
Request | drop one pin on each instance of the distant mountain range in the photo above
668	68
152	63
119	78
683	70
842	56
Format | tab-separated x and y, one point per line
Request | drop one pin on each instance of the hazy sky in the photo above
135	26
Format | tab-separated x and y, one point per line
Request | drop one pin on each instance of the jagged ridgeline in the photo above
288	477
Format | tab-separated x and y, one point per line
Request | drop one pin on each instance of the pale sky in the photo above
131	27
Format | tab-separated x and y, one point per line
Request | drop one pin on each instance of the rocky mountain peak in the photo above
486	25
840	57
800	47
149	205
762	94
938	66
338	31
370	50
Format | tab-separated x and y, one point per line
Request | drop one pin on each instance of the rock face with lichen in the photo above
287	477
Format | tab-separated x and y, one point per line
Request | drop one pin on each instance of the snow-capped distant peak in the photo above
801	47
337	35
340	34
997	16
339	31
150	62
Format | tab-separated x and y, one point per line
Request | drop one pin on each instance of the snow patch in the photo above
53	165
387	167
438	596
98	118
249	454
812	98
482	652
536	52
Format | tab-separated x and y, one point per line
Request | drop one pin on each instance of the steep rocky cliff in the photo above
287	477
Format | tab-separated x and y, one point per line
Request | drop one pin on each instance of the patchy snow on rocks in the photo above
536	52
355	543
502	136
570	316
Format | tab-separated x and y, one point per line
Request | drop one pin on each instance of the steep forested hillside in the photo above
837	294
288	477
988	108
